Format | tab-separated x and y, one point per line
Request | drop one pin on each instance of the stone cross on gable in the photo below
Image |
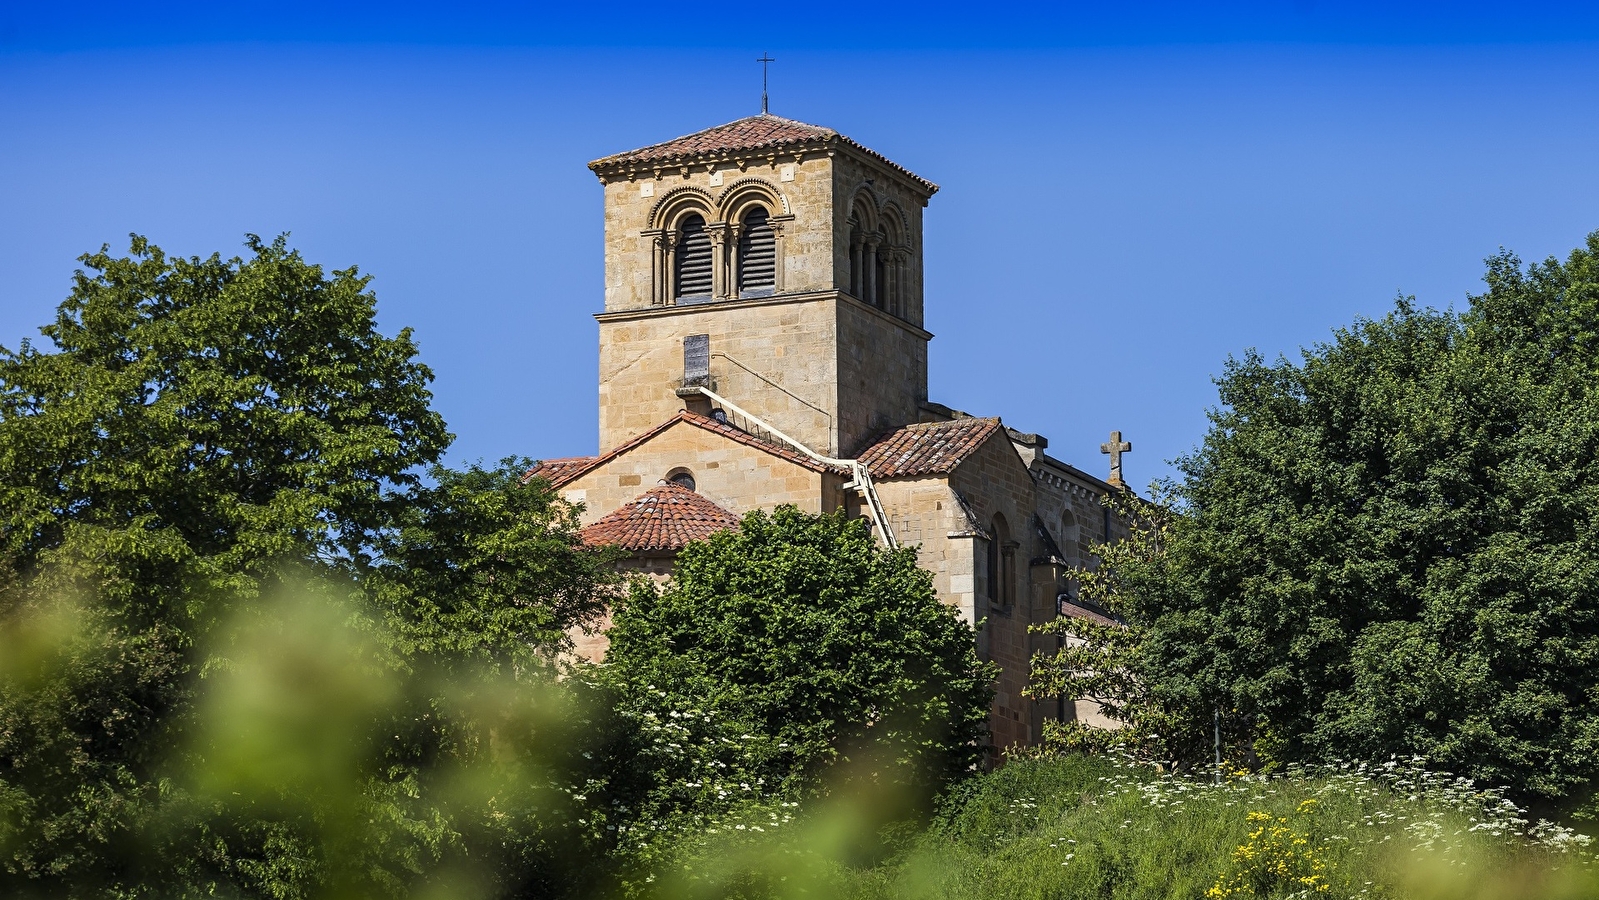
1116	448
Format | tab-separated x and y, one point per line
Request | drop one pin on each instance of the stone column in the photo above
657	266
669	268
720	255
869	273
734	257
890	286
855	264
901	296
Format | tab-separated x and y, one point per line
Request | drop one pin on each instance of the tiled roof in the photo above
562	472
927	448
665	517
744	437
1075	610
751	135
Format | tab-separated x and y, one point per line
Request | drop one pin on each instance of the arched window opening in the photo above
681	478
694	280
757	255
1001	564
1071	535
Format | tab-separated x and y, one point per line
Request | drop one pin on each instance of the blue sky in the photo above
1129	195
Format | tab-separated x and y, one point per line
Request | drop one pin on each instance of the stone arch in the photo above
752	208
679	202
681	477
666	219
864	208
896	223
738	196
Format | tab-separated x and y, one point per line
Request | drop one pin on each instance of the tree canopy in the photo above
817	644
1388	546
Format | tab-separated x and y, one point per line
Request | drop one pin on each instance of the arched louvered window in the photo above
693	260
757	255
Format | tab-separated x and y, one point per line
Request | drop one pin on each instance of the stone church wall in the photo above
788	342
994	480
734	476
923	511
882	373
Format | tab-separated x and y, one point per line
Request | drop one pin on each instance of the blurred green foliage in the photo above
1388	547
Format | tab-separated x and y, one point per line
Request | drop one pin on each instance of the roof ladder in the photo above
862	482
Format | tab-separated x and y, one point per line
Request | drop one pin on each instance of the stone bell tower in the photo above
775	262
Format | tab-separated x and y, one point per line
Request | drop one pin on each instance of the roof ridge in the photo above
742	436
750	134
683	137
577	469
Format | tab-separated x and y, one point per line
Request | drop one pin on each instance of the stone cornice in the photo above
658	312
612	168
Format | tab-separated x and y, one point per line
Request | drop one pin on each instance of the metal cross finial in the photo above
1116	448
764	60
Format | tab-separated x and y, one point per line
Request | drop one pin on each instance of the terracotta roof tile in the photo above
560	471
927	448
756	133
1075	610
744	437
564	471
665	517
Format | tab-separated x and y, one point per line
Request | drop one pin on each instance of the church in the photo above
762	344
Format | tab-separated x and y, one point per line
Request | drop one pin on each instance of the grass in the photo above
1080	827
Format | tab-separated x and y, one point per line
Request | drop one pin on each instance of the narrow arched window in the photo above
1001	564
1071	534
757	255
693	259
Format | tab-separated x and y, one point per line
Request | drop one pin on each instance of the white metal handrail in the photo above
862	477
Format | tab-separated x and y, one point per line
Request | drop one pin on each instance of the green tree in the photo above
816	647
480	567
1390	546
200	427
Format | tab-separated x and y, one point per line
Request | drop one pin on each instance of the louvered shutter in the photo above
693	261
757	255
